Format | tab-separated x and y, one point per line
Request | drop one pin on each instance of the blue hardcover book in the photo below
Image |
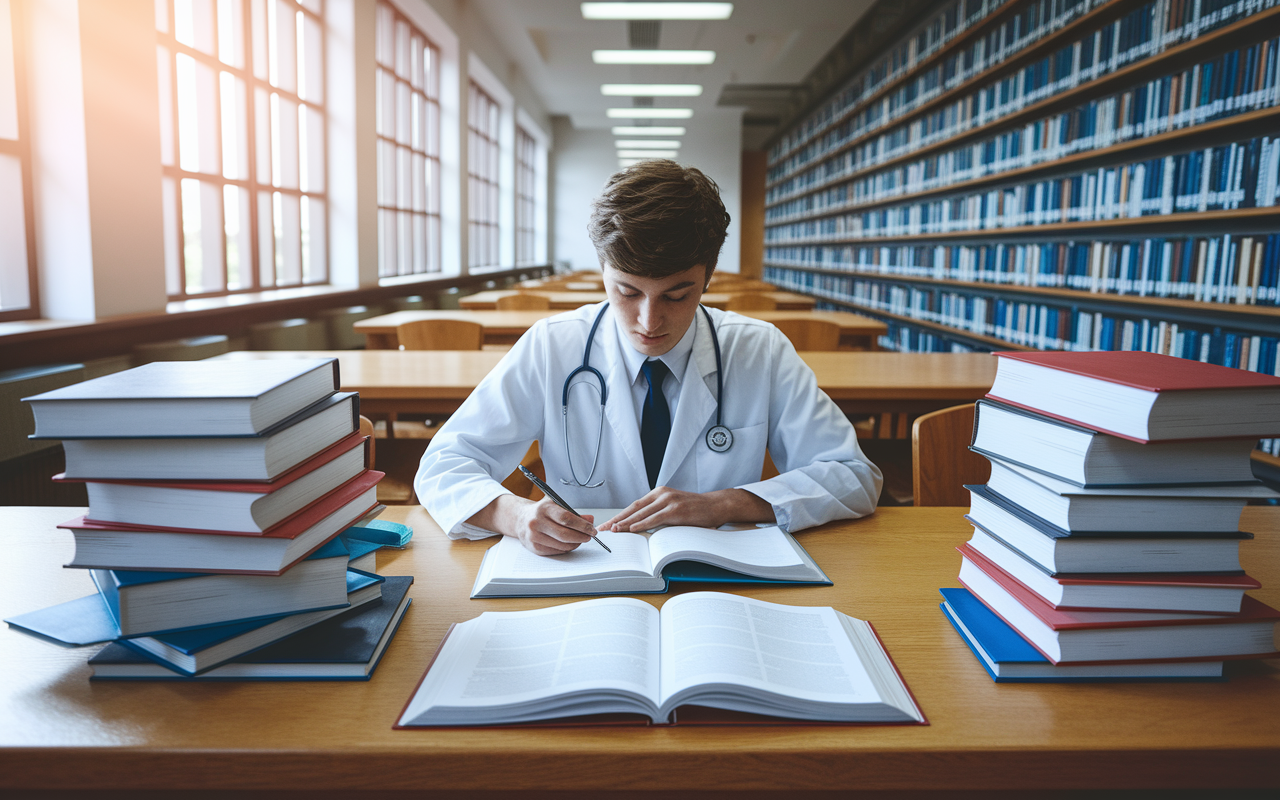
346	647
149	603
1008	658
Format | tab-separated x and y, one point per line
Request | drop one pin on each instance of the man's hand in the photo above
667	506
542	527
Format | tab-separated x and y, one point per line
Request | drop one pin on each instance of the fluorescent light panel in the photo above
656	10
653	56
655	130
651	89
649	113
648	153
646	144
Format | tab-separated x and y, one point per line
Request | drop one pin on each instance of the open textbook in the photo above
620	655
638	560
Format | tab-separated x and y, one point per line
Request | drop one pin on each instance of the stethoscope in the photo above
719	438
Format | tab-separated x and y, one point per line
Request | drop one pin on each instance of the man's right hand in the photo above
542	527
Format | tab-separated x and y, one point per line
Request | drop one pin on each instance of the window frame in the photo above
484	151
21	149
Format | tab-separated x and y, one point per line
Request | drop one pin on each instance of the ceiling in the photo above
762	50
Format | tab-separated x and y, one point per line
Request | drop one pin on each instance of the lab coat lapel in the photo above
697	404
620	411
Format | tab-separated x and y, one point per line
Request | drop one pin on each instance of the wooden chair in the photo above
523	302
811	334
366	429
441	334
751	301
941	461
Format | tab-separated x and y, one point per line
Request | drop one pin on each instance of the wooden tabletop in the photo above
59	730
437	381
505	327
787	301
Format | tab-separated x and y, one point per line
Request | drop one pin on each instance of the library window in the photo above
482	160
242	122
408	108
17	257
526	198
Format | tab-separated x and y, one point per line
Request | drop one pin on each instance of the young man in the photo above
648	403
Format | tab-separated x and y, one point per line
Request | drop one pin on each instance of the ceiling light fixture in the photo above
649	113
653	56
651	89
647	144
656	10
654	130
648	153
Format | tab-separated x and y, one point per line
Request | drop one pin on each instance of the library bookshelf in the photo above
1048	174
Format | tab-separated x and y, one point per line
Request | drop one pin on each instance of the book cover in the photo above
1150	372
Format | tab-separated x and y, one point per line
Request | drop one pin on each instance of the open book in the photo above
621	655
638	559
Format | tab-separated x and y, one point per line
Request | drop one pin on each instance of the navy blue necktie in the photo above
655	421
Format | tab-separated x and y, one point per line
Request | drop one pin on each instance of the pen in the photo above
555	498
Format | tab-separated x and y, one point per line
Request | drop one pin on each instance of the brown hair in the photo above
657	218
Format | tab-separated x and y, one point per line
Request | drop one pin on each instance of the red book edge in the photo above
1151	372
1251	609
693	714
1212	580
286	529
257	487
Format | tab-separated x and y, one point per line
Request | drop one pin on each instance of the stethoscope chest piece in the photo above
719	438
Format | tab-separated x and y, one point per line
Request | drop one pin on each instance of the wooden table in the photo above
504	327
437	381
787	301
59	731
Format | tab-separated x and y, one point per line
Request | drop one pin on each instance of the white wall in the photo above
583	160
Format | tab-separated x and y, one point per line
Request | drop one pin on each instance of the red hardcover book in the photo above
1193	592
1140	396
235	506
1099	637
114	546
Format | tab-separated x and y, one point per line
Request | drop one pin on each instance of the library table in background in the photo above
504	327
563	301
437	381
59	731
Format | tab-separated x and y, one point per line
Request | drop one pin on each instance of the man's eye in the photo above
629	294
675	299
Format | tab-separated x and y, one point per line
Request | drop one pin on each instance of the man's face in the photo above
655	312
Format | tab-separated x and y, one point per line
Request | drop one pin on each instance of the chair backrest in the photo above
751	301
441	334
366	429
523	302
810	334
941	461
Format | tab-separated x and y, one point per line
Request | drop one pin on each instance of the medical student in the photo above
648	403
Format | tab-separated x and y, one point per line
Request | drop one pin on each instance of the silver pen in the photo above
555	498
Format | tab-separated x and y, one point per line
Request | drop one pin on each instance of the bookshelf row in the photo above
1232	271
1104	48
1236	84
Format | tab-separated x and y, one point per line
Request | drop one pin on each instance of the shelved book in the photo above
645	562
1209	593
261	457
1008	658
627	658
185	399
1082	637
230	505
346	647
100	545
1141	396
1090	459
148	603
1059	550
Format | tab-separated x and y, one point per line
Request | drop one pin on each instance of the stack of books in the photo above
1106	542
230	507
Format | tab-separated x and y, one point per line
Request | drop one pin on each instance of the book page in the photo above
510	561
716	638
763	547
506	659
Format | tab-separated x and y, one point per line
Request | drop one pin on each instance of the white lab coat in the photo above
771	400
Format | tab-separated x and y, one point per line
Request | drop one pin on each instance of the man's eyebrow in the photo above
675	288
